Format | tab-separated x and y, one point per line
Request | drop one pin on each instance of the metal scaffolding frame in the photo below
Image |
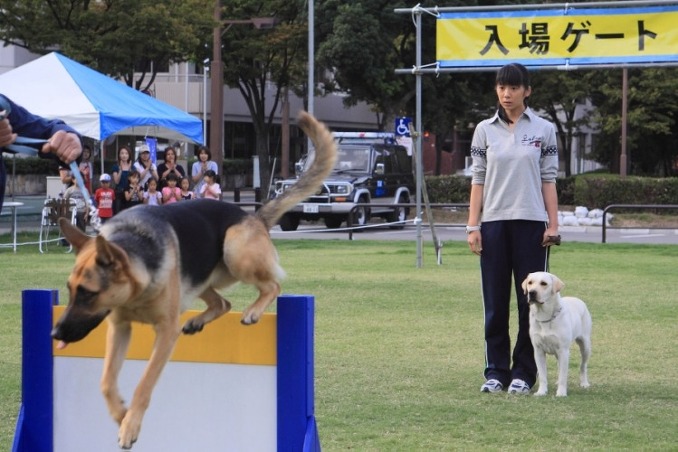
433	68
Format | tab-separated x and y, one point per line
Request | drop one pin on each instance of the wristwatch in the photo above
470	229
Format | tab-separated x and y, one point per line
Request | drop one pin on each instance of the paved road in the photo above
29	219
456	233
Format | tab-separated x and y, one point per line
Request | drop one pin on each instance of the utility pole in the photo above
216	143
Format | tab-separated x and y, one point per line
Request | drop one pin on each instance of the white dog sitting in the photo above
555	322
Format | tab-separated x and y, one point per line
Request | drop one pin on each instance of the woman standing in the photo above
513	193
200	167
86	167
170	166
121	172
145	166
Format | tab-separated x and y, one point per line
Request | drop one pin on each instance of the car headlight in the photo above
343	189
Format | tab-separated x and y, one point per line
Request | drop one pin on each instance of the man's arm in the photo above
64	142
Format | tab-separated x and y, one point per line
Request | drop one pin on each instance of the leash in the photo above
21	146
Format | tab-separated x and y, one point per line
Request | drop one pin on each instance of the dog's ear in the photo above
75	236
110	255
557	284
524	285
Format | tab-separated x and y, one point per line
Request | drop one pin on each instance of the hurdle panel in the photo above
229	387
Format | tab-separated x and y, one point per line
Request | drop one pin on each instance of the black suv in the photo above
371	167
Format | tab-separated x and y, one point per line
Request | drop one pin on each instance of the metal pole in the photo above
217	98
285	136
311	56
185	86
417	143
204	101
626	3
311	62
625	90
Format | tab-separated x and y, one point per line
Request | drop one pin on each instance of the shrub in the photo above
590	190
448	189
602	190
566	187
32	165
457	189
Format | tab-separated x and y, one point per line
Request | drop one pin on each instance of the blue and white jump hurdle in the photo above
229	388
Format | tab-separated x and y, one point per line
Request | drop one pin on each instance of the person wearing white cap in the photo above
145	166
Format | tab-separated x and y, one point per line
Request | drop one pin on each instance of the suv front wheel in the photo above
289	222
361	215
399	214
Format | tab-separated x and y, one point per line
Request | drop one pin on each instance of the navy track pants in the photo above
511	249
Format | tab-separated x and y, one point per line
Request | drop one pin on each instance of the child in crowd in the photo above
104	197
152	196
134	193
86	167
171	193
210	188
186	193
74	193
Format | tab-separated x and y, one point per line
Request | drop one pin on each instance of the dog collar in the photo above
555	314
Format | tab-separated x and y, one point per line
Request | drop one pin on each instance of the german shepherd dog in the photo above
149	263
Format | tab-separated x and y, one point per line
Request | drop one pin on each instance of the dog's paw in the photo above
192	326
249	318
540	393
129	431
561	393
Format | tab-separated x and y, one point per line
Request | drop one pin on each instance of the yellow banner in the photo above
558	37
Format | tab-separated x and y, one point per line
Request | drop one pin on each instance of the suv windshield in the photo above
353	158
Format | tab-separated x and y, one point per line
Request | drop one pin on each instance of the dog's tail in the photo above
325	157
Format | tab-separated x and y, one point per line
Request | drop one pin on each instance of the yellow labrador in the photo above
555	322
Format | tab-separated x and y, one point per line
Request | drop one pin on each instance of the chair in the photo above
52	210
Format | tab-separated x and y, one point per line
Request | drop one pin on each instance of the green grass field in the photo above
399	350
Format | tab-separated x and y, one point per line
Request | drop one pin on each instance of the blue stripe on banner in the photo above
545	61
35	426
572	10
295	374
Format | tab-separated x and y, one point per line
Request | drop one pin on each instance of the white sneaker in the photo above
492	385
518	386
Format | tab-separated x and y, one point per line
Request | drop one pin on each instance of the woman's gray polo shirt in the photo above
512	164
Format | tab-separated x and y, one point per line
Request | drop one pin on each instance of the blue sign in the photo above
153	147
402	126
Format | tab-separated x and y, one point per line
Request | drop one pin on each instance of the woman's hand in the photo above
475	242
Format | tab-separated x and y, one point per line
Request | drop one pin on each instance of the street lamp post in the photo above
205	69
216	72
217	98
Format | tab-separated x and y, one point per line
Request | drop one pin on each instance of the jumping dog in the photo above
149	263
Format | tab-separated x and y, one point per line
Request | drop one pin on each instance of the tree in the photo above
116	37
559	95
652	129
258	58
360	47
